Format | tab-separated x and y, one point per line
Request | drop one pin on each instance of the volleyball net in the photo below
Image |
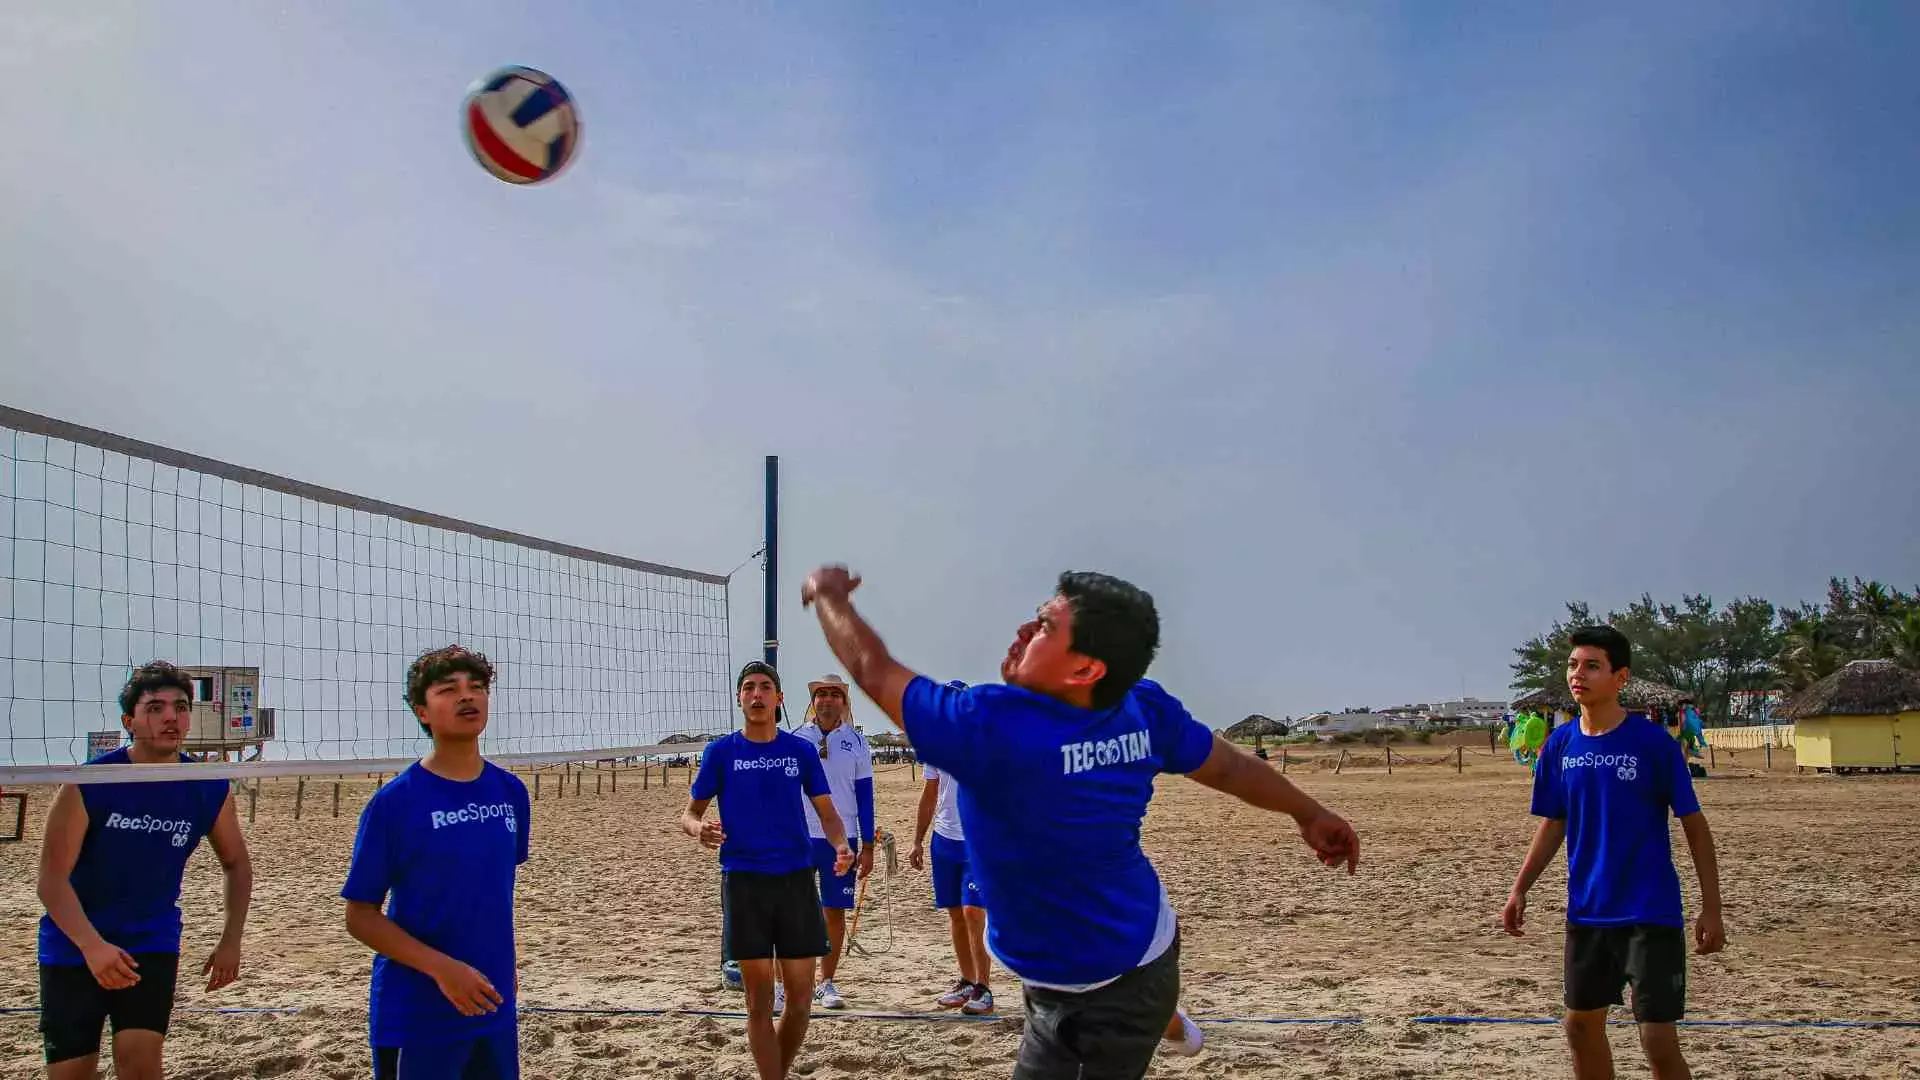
296	609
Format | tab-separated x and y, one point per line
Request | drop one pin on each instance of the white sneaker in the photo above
779	998
981	1004
961	993
1191	1040
828	997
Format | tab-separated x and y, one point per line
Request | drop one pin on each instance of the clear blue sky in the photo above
1362	335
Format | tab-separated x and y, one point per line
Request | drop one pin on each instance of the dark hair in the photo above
1608	640
1115	623
756	667
433	666
149	677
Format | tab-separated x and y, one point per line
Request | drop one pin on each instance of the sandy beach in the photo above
619	911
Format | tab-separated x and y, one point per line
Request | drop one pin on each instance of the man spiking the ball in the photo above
1077	910
1604	784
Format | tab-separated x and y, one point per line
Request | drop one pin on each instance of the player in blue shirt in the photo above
440	845
1604	785
110	871
1055	772
770	905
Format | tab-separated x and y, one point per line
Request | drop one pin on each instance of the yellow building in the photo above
1866	716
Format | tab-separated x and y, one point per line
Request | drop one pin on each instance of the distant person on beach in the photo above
440	845
848	763
1605	785
111	865
769	900
1056	769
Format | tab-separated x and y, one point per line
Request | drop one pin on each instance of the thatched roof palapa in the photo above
1257	726
1639	693
1862	688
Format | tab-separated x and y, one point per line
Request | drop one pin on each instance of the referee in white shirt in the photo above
849	764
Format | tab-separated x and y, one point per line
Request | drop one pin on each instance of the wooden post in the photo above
253	801
579	777
1389	751
1341	764
536	783
1283	760
1459	759
1710	761
615	785
299	796
596	781
336	798
646	776
1769	746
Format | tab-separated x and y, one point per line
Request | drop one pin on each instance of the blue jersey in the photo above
139	837
761	787
1614	791
442	854
1051	800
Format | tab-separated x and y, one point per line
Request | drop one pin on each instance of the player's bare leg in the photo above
793	1022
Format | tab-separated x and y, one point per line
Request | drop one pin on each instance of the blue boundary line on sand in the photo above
962	1018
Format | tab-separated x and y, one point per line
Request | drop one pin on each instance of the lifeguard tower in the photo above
227	716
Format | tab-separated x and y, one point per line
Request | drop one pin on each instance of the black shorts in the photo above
768	916
494	1056
74	1006
1107	1034
1602	961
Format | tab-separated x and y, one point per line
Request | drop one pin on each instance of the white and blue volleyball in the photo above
521	125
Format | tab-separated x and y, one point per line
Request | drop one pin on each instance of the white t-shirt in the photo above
946	806
847	760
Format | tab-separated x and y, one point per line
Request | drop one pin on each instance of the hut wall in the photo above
1906	738
1847	742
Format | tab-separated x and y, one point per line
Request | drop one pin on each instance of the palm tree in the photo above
1905	644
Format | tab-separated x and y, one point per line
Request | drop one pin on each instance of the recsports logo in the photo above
180	829
473	812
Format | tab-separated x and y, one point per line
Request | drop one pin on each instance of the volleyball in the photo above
521	125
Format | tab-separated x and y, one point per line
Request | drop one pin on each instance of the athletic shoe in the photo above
828	997
961	993
980	1004
779	998
730	975
1191	1040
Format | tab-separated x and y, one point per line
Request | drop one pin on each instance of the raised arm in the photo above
236	865
1234	771
871	667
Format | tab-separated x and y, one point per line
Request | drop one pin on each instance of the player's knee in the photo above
136	1055
1584	1023
1661	1043
957	918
